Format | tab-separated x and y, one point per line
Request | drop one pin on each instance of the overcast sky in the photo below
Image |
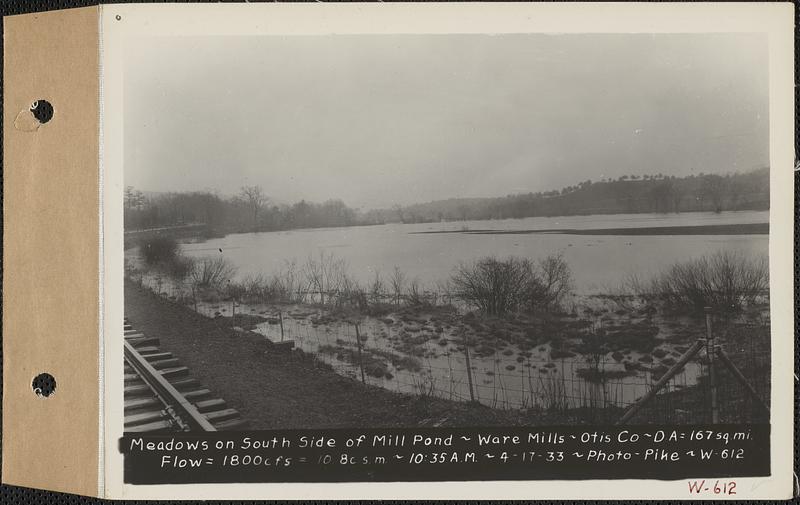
377	120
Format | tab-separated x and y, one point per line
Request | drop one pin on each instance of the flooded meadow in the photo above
450	351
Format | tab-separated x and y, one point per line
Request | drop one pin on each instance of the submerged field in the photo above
596	351
279	389
514	362
536	371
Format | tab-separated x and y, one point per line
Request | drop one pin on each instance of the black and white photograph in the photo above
381	251
446	230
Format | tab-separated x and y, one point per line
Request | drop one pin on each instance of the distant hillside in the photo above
628	194
253	210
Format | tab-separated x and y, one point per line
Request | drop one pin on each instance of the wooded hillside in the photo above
253	210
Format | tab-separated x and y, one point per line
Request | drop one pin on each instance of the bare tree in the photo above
415	296
350	293
398	281
714	188
555	278
377	289
255	199
290	281
133	200
445	291
325	275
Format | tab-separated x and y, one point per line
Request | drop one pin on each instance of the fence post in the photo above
360	361
522	400
741	378
710	346
233	312
469	368
662	381
280	319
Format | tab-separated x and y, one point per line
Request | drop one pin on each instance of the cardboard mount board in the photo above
63	237
51	252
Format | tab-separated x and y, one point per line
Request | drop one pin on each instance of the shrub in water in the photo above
158	249
494	286
498	286
180	267
725	281
211	272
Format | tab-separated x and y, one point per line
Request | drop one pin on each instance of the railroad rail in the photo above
160	395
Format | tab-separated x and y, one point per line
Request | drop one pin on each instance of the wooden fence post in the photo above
469	368
741	378
710	351
280	318
360	361
672	372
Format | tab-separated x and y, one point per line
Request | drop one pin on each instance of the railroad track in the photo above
160	395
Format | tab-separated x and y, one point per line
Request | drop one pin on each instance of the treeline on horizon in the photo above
252	210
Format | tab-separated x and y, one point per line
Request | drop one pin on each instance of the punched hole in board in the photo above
44	385
36	114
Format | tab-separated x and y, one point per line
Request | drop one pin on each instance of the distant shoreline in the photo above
712	229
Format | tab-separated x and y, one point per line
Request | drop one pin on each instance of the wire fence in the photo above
748	347
590	388
583	388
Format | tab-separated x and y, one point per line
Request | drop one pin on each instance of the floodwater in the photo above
598	262
511	376
506	378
